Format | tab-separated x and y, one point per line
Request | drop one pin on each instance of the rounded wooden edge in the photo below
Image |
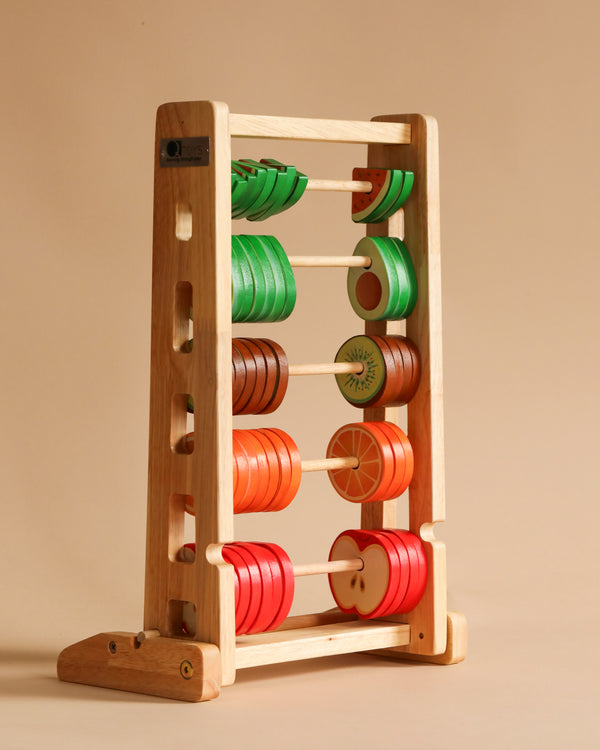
456	645
167	667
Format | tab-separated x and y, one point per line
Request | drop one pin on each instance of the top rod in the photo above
308	129
340	186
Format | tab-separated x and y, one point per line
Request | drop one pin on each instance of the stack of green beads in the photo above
262	280
260	189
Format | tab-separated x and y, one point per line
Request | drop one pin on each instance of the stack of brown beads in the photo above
259	374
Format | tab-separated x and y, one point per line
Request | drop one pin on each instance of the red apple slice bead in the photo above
246	561
418	568
266	610
288	582
369	591
404	570
273	590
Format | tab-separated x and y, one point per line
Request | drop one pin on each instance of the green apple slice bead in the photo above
374	292
407	275
387	245
279	280
288	273
237	286
246	291
263	277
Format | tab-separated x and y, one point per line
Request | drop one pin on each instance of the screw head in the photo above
112	647
186	670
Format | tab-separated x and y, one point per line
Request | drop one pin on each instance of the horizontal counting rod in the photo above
188	554
330	464
316	464
329	261
340	186
328	368
333	566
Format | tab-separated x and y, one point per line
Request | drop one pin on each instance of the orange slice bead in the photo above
370	480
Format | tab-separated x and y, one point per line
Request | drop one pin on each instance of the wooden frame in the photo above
192	263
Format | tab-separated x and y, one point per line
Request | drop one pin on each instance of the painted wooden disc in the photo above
360	389
282	376
367	482
362	592
287	579
282	495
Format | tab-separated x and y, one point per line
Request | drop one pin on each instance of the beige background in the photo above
514	86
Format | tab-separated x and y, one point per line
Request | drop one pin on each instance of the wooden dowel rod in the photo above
330	368
185	554
335	566
144	635
341	186
329	261
328	464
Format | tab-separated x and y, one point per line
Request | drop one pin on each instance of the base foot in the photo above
456	644
167	667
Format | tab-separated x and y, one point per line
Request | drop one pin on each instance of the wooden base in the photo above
191	671
456	645
167	667
317	641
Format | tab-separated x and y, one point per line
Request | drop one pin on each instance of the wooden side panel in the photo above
425	411
201	194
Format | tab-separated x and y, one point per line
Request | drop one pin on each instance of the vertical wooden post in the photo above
425	412
192	267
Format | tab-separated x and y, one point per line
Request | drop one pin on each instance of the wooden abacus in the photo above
192	270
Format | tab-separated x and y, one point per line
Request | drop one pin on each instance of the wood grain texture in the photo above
456	644
203	261
421	225
321	640
167	667
309	129
192	261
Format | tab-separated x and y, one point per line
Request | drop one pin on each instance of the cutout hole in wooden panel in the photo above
177	503
182	322
183	221
182	619
182	422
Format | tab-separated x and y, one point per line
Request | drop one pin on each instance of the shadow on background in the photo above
32	674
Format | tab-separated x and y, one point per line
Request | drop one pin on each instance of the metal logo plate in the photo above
185	152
